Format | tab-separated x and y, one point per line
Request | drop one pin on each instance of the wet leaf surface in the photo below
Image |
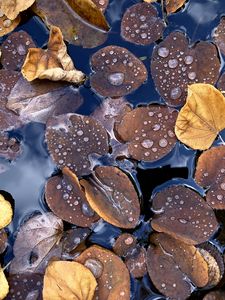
7	25
173	5
221	83
202	117
219	36
75	30
136	262
25	286
14	50
117	72
215	295
72	139
41	99
68	280
6	212
141	24
112	275
183	214
34	240
7	80
10	147
66	199
125	244
210	173
53	64
101	4
73	238
3	240
148	132
4	285
12	8
112	195
175	64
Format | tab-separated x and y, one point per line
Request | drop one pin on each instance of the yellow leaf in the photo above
4	287
202	117
66	280
7	25
6	212
12	8
53	64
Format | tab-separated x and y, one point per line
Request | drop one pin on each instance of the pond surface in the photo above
25	178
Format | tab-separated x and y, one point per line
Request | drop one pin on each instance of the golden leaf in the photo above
6	212
171	5
53	64
4	287
7	25
12	8
202	117
65	280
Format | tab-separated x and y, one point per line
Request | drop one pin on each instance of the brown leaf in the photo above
173	5
7	81
112	195
12	8
65	280
202	117
112	275
6	212
3	240
125	244
215	295
219	35
10	147
175	64
210	173
101	4
4	285
66	199
53	64
7	25
183	214
75	30
136	262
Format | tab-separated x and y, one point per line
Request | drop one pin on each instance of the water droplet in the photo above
183	221
222	186
87	210
116	78
147	144
129	241
192	75
144	35
7	23
163	143
21	50
80	132
163	52
58	187
69	187
219	197
173	63
86	139
95	266
156	127
65	196
175	93
142	18
188	59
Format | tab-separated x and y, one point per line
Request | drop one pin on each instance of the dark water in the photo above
25	178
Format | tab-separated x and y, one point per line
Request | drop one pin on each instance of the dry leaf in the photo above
202	117
53	64
65	280
12	8
6	212
171	5
6	25
3	284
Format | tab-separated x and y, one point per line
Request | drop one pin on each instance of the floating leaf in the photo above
53	64
25	286
125	244
175	64
202	117
210	173
6	25
148	132
35	239
4	285
112	275
12	8
73	238
6	212
72	139
141	24
117	72
10	147
173	5
215	295
78	31
66	199
112	195
136	262
14	50
41	99
3	240
68	280
219	35
183	214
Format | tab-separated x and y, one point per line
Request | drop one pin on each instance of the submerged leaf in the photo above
65	280
4	286
12	8
53	64
6	212
202	117
7	25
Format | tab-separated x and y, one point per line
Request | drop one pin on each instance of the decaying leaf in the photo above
6	25
6	212
171	5
75	29
4	286
125	244
101	4
183	214
110	272
35	239
112	195
210	173
136	262
65	280
10	147
202	117
12	8
53	64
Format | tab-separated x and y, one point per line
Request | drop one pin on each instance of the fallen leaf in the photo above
219	36
53	64
10	147
34	240
3	240
202	117
110	272
215	295
6	212
12	8
4	285
101	4
7	25
110	193
136	262
78	31
125	244
173	5
65	280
